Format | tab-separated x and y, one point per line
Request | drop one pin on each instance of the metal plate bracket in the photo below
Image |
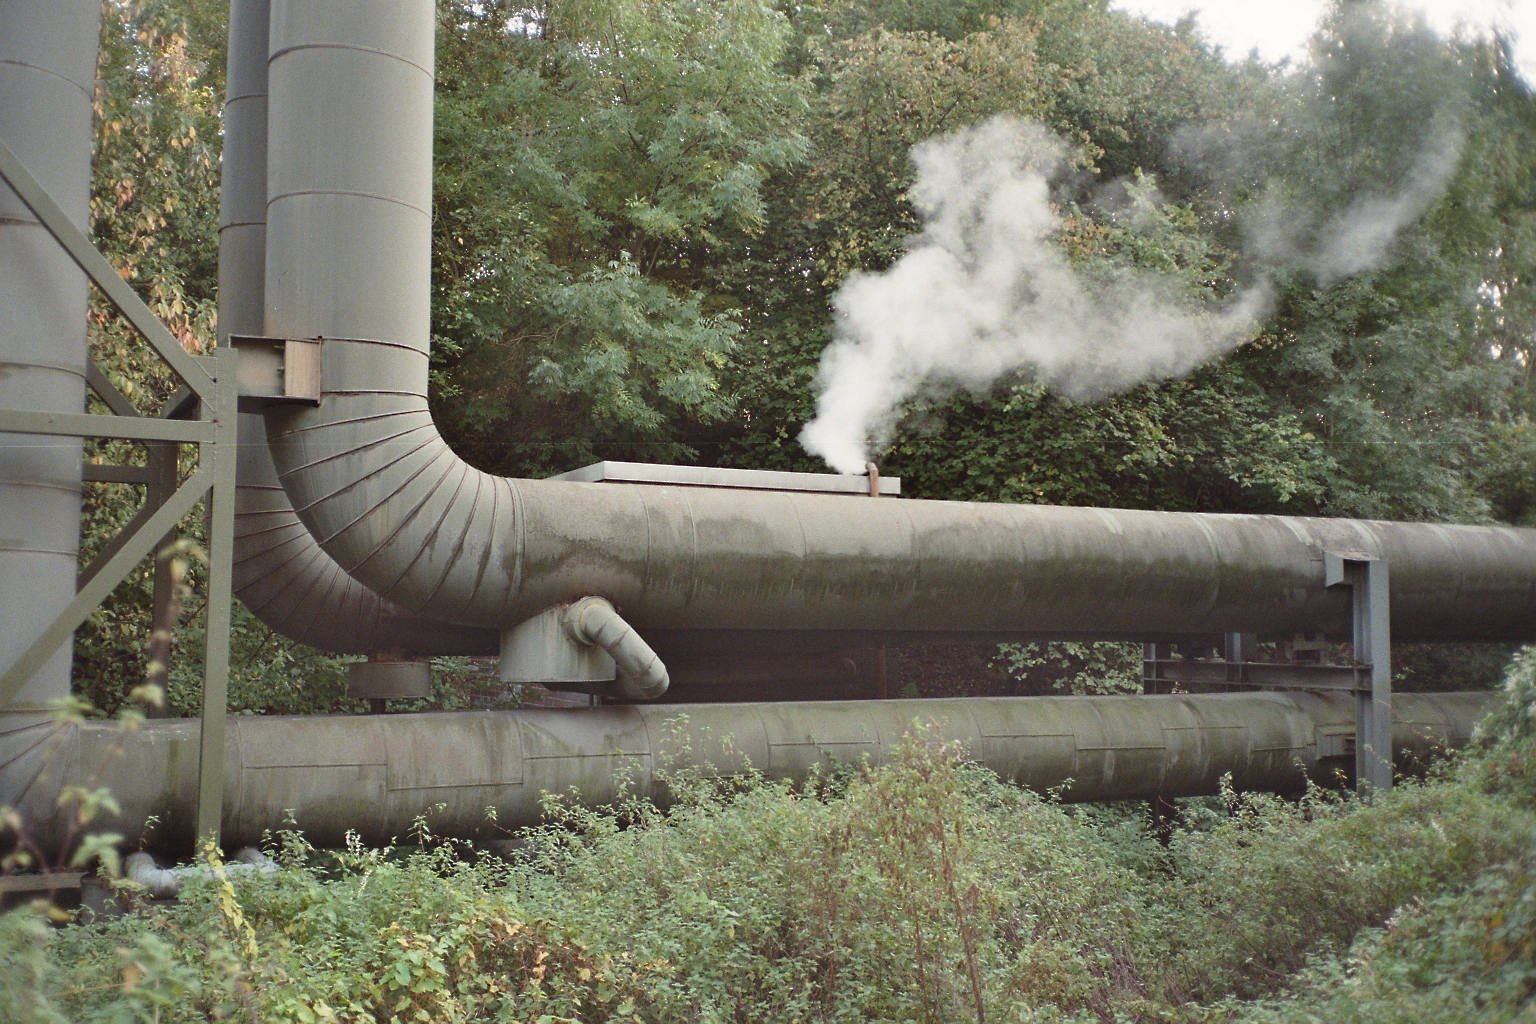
277	371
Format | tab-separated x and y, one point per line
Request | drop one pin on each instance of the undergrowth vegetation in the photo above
921	890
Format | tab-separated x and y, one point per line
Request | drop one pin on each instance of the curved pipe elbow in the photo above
641	673
284	578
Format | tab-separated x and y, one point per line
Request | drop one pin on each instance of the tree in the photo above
1403	366
592	157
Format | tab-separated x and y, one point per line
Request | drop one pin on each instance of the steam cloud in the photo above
984	290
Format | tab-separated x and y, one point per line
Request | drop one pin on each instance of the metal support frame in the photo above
1368	677
1370	605
203	413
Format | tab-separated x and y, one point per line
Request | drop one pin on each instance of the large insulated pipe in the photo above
281	574
348	238
47	82
375	774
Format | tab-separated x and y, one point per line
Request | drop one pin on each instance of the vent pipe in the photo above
281	575
348	239
47	84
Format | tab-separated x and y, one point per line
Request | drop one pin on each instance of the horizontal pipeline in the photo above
375	774
348	260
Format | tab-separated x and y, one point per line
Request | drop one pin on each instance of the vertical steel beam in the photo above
1367	579
165	601
222	409
1238	648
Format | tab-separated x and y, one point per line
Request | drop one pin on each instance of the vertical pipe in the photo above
243	172
281	574
47	84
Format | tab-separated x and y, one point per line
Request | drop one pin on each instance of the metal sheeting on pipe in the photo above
374	774
349	192
281	574
47	80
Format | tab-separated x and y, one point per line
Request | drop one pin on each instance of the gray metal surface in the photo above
750	479
281	574
1371	638
219	460
389	680
47	79
348	245
376	773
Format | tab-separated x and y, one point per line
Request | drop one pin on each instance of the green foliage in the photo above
592	158
1072	666
1510	733
1356	865
1464	955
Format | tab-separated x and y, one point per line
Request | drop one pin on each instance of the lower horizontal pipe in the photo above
372	775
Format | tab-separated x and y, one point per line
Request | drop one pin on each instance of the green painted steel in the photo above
47	78
374	774
220	458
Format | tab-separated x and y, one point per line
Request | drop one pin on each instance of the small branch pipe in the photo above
376	773
641	674
281	574
348	245
47	81
164	883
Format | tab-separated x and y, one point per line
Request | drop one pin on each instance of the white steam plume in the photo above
1332	246
984	290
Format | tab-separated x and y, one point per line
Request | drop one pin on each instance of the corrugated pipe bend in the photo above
281	573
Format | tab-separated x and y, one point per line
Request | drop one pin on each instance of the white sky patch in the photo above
1280	30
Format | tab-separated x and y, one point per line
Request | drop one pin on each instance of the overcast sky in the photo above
1279	28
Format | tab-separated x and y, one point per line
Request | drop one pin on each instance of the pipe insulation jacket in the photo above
281	574
47	81
376	773
641	674
349	181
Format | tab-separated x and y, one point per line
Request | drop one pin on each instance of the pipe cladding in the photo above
348	252
281	573
376	773
47	80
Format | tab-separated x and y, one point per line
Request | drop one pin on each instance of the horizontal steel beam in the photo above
128	428
98	474
1208	672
